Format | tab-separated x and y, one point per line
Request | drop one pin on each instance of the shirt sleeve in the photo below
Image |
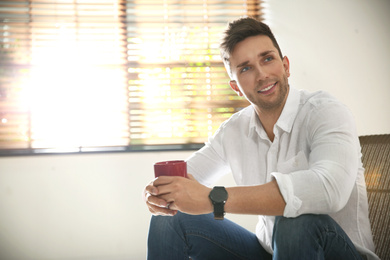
208	164
333	164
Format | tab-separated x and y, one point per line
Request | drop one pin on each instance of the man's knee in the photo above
163	224
303	226
178	223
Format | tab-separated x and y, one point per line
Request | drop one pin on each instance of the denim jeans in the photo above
201	237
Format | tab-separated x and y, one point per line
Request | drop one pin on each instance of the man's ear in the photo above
286	65
234	86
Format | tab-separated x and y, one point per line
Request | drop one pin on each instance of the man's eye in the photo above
244	69
269	58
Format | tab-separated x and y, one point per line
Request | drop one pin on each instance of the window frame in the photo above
30	150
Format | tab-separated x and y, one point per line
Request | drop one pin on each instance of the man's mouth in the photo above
267	88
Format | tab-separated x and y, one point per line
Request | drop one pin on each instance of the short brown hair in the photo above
238	31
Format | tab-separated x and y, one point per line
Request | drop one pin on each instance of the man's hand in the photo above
166	195
156	205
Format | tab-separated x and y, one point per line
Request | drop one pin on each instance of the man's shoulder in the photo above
321	105
317	99
240	120
244	114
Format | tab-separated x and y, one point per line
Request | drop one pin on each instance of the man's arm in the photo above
264	199
189	196
333	163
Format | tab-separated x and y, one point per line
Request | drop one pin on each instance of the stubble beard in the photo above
283	90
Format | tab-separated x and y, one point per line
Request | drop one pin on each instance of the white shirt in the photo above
315	158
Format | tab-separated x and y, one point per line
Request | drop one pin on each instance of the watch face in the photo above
218	194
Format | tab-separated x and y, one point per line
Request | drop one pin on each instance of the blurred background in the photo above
56	205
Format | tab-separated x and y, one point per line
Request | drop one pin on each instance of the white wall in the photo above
77	207
343	47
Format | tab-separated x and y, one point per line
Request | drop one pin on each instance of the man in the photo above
295	157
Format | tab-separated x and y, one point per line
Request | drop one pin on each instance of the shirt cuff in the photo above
293	203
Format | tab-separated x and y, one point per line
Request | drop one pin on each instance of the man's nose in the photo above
260	73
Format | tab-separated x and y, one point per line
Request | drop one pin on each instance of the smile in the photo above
267	88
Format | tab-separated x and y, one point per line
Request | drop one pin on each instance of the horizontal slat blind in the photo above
82	74
63	76
14	57
178	87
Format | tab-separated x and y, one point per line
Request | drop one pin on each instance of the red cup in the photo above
171	168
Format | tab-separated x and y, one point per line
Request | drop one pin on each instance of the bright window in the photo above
101	75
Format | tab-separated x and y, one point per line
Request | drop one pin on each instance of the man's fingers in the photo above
150	189
159	211
162	180
150	199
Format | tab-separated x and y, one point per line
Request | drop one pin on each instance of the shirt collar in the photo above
254	123
286	119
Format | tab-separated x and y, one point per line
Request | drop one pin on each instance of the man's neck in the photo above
269	117
268	120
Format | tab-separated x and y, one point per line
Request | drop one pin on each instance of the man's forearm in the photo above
263	199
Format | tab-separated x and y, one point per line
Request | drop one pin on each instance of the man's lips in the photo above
267	89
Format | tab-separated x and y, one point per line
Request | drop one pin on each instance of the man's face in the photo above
259	74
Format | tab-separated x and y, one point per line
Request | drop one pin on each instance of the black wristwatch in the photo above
218	197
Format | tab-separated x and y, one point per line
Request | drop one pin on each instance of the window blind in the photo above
100	75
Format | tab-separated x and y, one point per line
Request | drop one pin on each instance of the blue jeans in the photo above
201	237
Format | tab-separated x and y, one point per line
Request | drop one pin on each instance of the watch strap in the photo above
219	211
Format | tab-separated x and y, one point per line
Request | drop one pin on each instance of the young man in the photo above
295	157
